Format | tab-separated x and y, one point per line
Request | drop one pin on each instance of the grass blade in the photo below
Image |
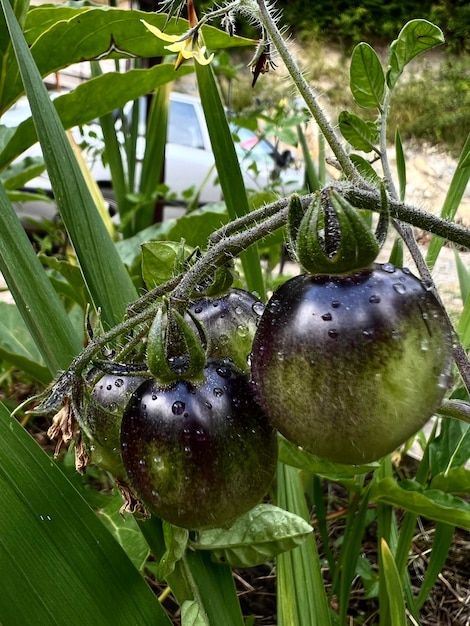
36	299
452	201
228	168
60	565
442	542
300	590
390	577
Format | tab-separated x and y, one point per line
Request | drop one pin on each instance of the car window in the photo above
183	125
250	145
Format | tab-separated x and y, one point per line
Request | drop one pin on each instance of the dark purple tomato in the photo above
103	417
230	322
198	455
350	367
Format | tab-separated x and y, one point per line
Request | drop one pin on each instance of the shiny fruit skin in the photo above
103	415
198	455
350	367
230	322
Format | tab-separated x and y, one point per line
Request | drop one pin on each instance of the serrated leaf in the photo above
366	77
193	615
256	537
430	503
360	134
415	37
295	456
176	542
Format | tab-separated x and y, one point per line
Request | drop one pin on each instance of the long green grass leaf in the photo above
59	564
391	579
442	542
36	299
452	201
107	280
300	590
228	168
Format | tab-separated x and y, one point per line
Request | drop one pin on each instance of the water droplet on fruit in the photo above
273	306
280	356
395	334
333	333
374	299
399	288
118	382
178	407
223	340
208	404
218	392
215	304
368	333
389	268
142	462
242	331
238	310
113	407
427	285
224	372
109	387
327	317
187	450
198	310
335	304
424	345
258	308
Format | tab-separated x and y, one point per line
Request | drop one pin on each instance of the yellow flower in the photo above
187	48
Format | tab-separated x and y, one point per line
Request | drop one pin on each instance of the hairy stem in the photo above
307	94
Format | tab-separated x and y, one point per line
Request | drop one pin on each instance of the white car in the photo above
189	160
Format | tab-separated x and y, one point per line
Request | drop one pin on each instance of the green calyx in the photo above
174	350
330	237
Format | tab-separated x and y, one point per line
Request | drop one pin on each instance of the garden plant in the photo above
202	408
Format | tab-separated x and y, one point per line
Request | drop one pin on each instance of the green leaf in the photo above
452	201
442	541
192	615
366	170
228	168
451	448
394	587
56	554
18	174
160	261
176	542
366	77
431	503
401	165
126	531
455	480
196	227
360	134
91	100
17	346
415	37
297	457
37	302
256	537
301	597
92	33
96	252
